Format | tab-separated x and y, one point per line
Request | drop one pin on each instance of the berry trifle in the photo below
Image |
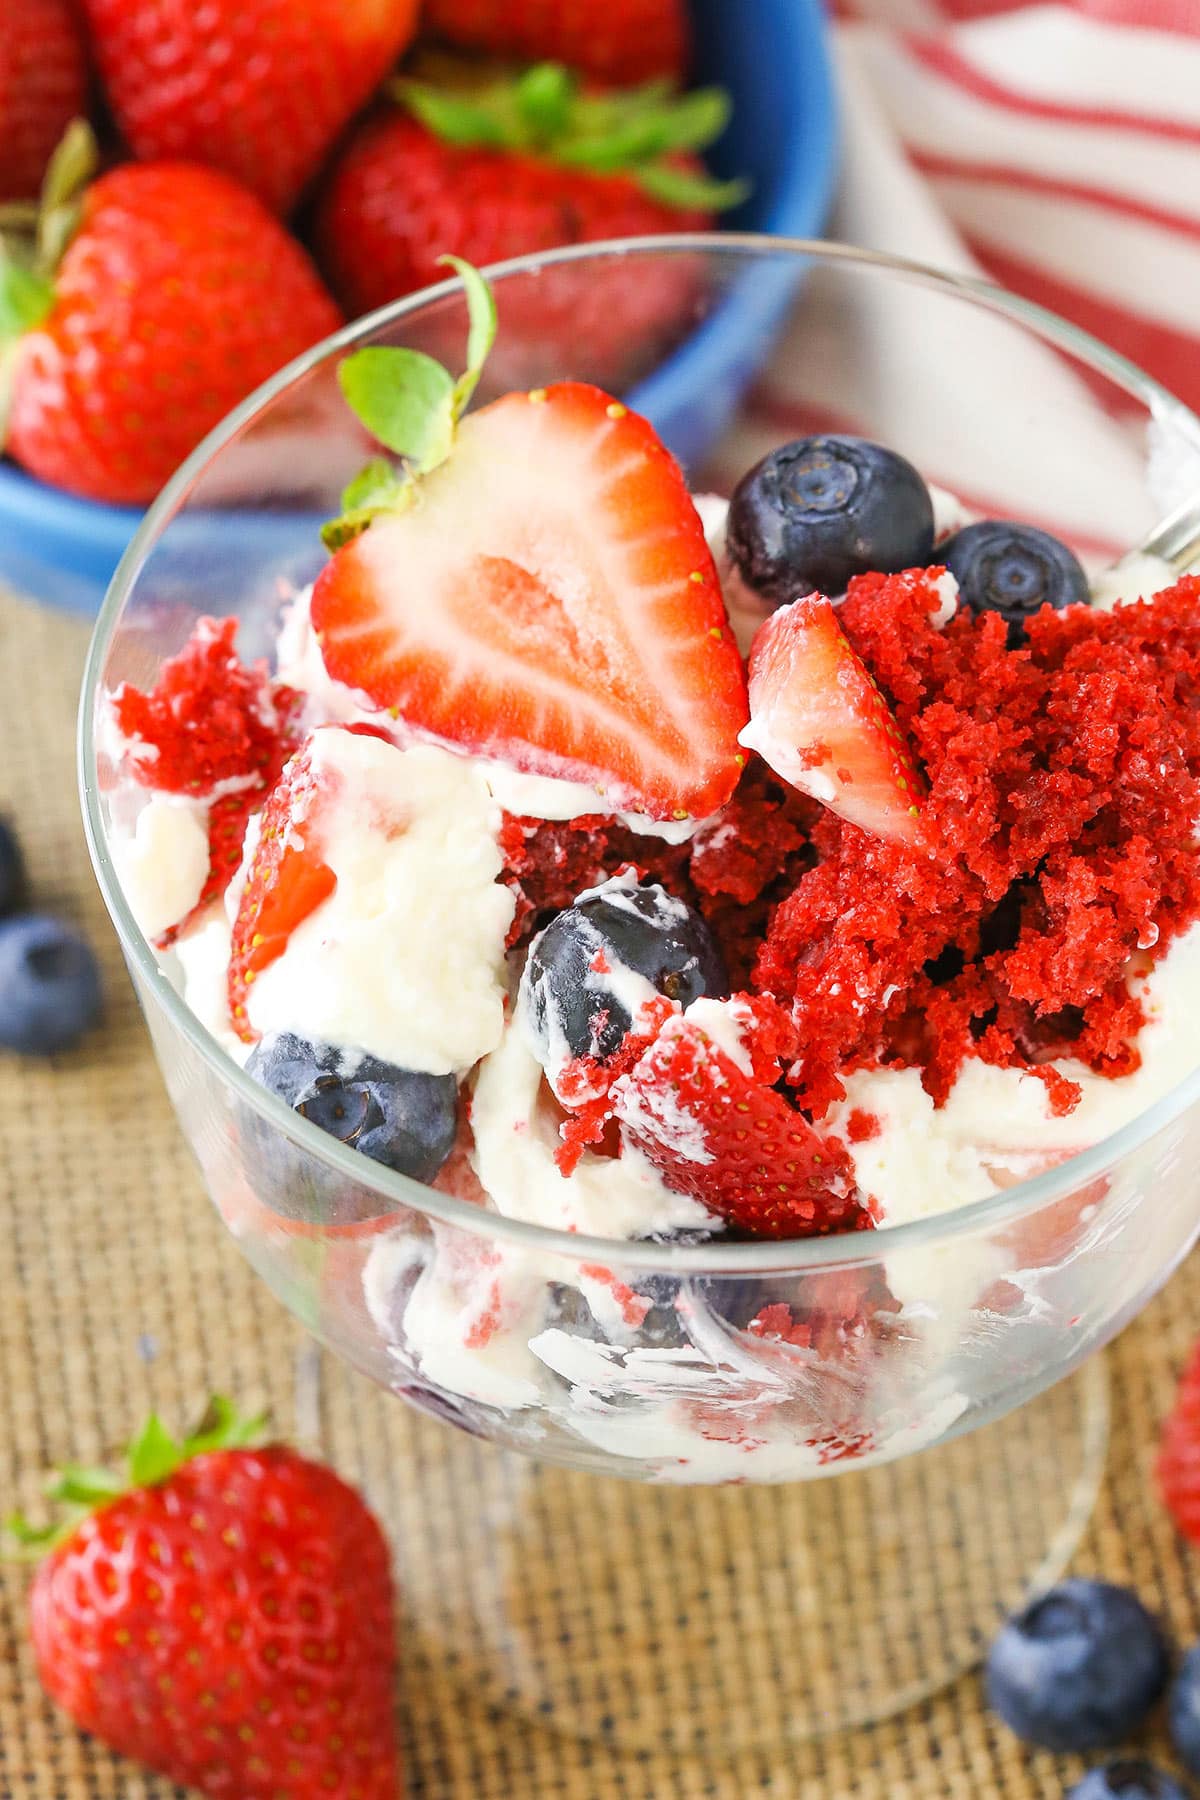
667	869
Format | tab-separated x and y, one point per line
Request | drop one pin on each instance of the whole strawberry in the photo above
513	168
259	88
43	84
224	1616
177	295
615	40
1179	1453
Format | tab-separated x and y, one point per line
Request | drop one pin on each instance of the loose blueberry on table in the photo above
50	993
1127	1779
1079	1668
12	870
1183	1711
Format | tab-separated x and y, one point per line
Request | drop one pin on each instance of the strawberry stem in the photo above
32	241
639	131
72	166
152	1458
412	405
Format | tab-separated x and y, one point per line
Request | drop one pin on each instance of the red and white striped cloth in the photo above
1054	148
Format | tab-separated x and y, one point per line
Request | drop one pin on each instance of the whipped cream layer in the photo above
405	959
997	1127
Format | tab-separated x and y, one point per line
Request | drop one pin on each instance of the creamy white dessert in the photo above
406	961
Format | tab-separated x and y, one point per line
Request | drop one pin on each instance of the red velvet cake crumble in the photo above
1058	838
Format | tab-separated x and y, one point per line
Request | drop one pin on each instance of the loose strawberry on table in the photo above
43	86
258	88
223	1614
614	40
1178	1467
177	294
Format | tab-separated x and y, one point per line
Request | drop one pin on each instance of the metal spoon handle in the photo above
1176	539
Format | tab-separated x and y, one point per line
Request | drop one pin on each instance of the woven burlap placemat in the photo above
120	1290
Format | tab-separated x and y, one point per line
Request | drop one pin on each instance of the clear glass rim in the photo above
714	1256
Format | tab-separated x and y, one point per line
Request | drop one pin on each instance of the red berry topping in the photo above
1063	785
287	880
818	717
732	1141
550	601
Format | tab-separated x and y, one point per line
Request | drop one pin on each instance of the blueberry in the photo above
1079	1668
625	930
1127	1780
12	870
1014	570
1184	1711
819	511
49	985
398	1117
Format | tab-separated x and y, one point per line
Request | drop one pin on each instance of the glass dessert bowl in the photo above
592	1313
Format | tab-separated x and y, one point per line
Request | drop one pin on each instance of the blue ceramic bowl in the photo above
773	58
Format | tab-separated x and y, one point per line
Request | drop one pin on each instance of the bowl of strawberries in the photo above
262	179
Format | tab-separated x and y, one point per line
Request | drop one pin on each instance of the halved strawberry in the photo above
819	719
547	597
287	880
732	1142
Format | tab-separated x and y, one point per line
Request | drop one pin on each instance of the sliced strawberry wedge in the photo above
818	718
733	1143
548	598
287	880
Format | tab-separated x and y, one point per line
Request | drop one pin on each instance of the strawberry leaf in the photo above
152	1458
412	405
72	166
78	1486
154	1454
543	113
223	1427
695	121
544	98
481	307
28	1543
25	297
374	485
405	399
375	489
455	117
679	187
